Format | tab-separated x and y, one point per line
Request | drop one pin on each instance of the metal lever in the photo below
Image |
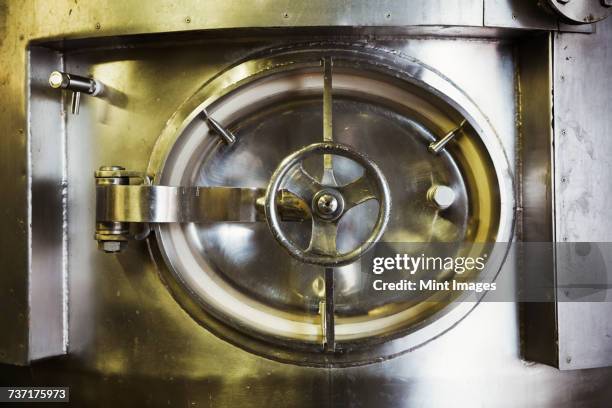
436	147
76	84
120	204
227	136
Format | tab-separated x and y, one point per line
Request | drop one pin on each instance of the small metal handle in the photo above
76	84
329	204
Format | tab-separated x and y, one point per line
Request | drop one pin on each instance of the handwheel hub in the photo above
328	204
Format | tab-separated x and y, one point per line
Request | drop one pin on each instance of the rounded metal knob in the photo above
441	196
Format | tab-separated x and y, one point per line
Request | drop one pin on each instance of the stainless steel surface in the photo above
582	186
47	312
165	204
536	189
580	11
126	331
518	15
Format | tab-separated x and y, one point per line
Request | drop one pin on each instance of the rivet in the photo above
188	20
98	26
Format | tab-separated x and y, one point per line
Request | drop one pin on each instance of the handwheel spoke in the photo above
303	185
323	238
357	192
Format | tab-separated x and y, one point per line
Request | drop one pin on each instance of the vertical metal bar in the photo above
330	334
327	109
75	104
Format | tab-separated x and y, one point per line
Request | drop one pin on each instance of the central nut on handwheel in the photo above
328	204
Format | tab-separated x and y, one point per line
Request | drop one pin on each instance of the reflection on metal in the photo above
328	136
436	147
581	11
119	204
581	176
112	236
329	311
227	136
76	84
164	204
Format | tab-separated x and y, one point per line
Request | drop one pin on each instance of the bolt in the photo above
563	132
441	196
285	15
98	26
327	204
111	168
188	20
113	247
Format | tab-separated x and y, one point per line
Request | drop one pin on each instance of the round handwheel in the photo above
328	203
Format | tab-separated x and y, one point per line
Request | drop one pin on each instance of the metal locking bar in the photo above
119	204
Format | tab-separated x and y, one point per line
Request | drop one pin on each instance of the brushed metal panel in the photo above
518	14
69	20
583	95
47	277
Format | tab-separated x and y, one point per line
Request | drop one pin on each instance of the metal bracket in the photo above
120	205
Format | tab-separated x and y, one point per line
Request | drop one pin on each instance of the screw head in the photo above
327	204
